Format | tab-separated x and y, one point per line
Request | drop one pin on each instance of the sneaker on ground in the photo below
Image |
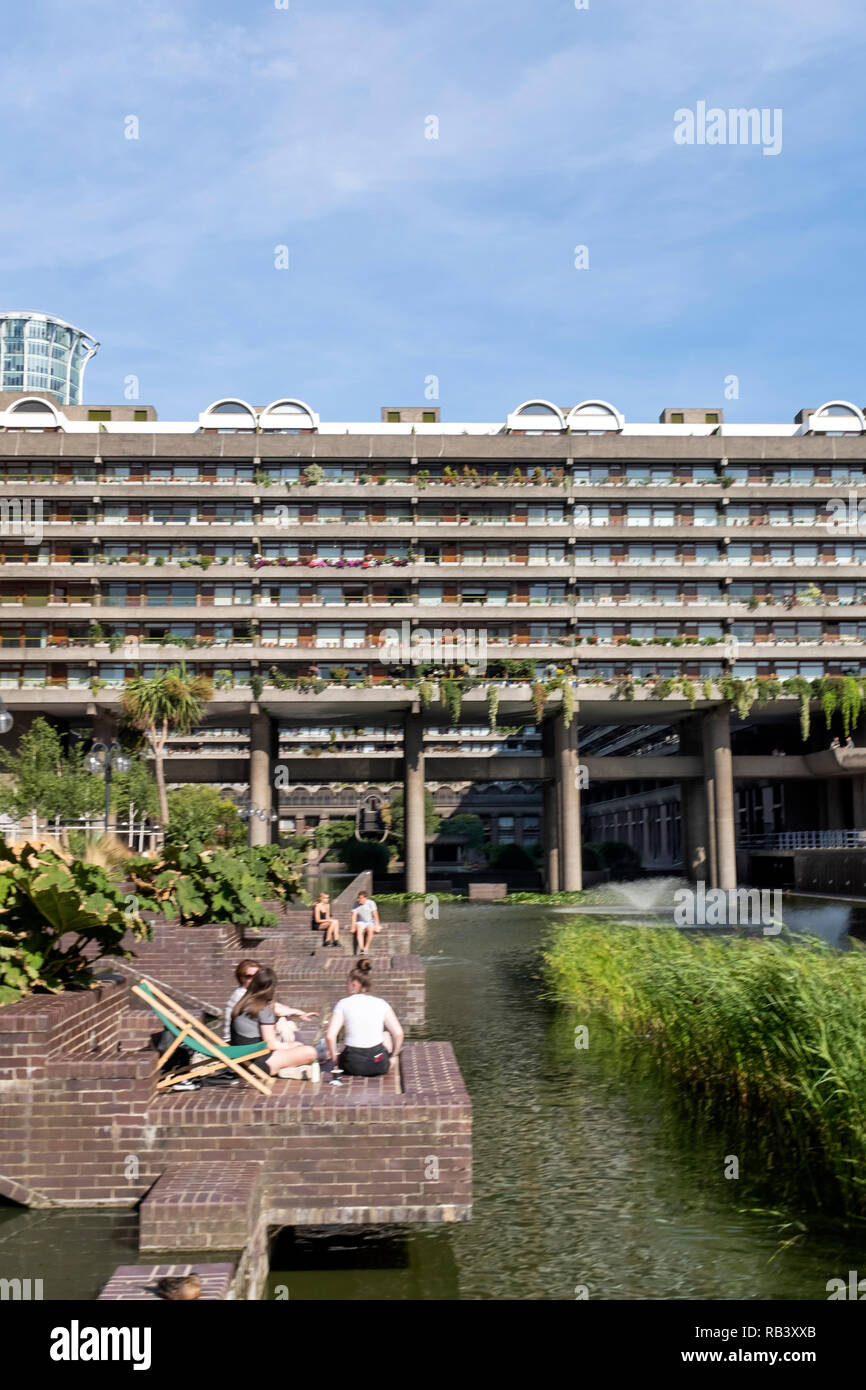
310	1072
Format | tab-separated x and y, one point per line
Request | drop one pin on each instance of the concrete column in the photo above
413	804
261	788
721	805
858	799
550	829
835	806
694	819
568	798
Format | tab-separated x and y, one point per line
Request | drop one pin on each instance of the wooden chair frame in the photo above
199	1036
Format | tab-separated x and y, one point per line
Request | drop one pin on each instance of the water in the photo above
580	1179
581	1176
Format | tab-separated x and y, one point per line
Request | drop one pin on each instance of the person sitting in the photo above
373	1036
365	922
834	744
323	921
254	1019
286	1030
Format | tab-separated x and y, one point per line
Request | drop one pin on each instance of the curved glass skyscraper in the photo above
39	352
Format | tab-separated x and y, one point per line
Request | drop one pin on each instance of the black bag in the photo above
162	1041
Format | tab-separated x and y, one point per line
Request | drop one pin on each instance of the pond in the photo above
581	1177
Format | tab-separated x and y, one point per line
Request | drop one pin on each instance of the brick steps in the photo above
201	1206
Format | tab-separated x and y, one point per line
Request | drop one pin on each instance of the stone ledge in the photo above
131	1282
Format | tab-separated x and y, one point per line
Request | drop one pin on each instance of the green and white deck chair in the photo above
186	1028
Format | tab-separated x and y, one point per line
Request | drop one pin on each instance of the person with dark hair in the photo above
373	1036
253	1019
245	973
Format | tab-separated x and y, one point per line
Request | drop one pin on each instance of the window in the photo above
712	417
677	417
139	415
393	417
428	417
99	414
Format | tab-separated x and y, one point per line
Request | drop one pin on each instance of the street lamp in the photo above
107	758
248	811
6	720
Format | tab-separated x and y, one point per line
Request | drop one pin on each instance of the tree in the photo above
201	814
46	780
432	820
171	702
136	786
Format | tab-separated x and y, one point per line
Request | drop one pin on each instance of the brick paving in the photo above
135	1282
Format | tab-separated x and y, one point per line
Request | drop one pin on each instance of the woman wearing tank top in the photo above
372	1033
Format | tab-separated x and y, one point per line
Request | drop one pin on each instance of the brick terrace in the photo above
81	1124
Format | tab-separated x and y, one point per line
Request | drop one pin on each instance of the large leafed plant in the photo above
59	917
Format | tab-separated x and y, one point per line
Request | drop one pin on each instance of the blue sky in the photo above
412	257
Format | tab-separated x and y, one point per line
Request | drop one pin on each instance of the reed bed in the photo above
762	1041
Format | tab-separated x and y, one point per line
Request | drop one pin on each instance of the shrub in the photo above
59	917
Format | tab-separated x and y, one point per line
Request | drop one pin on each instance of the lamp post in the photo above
6	720
248	810
106	758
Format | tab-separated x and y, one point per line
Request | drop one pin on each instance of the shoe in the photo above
186	1086
309	1072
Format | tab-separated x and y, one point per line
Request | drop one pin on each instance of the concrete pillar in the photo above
261	788
718	770
835	806
858	798
694	831
413	804
694	820
568	797
550	829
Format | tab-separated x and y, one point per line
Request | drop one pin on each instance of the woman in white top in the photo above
373	1036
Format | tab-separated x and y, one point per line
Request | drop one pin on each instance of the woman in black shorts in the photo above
372	1033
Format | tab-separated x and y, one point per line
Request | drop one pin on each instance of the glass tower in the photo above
39	352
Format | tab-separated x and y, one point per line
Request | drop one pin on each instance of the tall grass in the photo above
762	1039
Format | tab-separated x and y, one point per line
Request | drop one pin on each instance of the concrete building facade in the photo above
564	576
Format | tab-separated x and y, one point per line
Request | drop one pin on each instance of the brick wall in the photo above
85	1127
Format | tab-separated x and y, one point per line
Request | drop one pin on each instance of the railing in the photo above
806	839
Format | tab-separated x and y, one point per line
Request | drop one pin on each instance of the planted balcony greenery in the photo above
59	917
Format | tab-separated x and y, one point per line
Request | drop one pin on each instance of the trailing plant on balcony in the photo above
59	917
799	686
451	697
538	696
426	691
257	685
624	688
742	694
688	691
493	706
313	474
850	702
707	689
95	633
422	478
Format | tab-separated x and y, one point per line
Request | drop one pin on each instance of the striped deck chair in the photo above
186	1028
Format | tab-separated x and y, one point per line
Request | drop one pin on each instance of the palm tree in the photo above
171	702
